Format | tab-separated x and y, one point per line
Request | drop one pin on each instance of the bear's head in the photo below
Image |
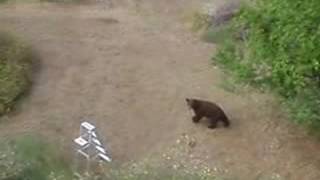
190	102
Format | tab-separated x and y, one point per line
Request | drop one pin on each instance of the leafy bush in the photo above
30	158
281	52
15	69
284	35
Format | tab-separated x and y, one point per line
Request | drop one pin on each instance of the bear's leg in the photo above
213	124
226	122
196	118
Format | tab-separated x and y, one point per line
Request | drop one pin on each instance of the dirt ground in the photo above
128	69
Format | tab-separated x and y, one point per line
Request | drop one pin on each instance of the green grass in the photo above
278	53
37	1
16	60
196	20
31	158
64	1
156	172
158	175
3	1
218	34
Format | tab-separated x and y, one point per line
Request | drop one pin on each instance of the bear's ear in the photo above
189	102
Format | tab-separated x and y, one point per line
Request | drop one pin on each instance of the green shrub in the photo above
15	69
30	158
281	52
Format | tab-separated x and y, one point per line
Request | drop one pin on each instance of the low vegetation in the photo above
157	174
49	1
16	60
30	158
64	1
3	1
273	45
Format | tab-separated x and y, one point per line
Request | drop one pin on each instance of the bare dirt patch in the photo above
129	71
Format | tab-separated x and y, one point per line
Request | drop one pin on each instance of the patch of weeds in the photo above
158	174
16	59
230	55
305	106
231	85
3	1
200	21
175	163
31	158
64	1
277	53
197	20
218	35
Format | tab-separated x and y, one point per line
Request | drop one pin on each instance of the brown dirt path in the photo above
129	69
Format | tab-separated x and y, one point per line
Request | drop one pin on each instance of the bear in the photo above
209	110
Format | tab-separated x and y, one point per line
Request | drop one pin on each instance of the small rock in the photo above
175	166
192	143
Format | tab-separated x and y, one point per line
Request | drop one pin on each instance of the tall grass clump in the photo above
16	60
279	50
30	158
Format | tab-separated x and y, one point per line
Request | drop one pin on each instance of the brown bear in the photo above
209	110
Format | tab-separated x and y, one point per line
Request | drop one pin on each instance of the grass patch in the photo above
158	174
3	1
157	171
16	59
43	1
196	20
64	1
218	34
277	53
31	158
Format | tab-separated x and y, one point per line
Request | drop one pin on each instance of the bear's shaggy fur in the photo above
209	110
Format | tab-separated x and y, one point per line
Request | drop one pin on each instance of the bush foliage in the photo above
279	50
15	69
